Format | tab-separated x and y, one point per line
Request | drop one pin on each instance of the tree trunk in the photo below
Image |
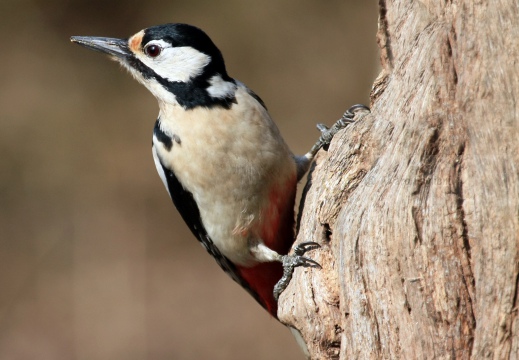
417	204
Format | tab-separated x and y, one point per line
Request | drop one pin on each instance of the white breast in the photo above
229	160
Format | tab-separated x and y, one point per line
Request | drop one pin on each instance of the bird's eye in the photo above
152	50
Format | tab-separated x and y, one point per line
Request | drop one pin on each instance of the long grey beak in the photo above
110	46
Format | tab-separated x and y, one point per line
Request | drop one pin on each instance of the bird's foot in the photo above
327	134
290	262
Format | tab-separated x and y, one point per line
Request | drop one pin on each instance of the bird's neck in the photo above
202	91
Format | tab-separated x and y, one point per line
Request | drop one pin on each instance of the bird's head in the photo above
178	63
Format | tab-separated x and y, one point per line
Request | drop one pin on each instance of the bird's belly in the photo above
232	193
229	197
230	164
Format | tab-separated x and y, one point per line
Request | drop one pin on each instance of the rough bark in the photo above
417	204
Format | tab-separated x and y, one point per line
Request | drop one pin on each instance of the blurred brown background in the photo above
95	262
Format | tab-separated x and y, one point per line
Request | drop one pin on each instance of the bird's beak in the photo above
117	48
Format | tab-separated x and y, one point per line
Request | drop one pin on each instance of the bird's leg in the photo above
290	262
327	134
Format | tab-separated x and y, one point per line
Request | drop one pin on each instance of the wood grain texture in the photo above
417	204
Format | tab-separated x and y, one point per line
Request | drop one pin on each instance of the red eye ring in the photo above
152	50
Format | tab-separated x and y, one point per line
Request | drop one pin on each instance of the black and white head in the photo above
178	63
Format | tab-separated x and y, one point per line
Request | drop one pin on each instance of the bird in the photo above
220	155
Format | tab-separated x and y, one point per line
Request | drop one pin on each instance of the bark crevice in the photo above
467	273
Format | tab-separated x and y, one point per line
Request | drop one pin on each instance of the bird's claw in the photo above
290	262
327	134
293	261
302	248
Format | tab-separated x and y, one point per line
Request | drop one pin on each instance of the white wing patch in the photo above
158	165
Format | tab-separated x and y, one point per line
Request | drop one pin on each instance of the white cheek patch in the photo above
176	63
220	88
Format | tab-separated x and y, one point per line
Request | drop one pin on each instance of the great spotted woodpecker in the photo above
222	159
